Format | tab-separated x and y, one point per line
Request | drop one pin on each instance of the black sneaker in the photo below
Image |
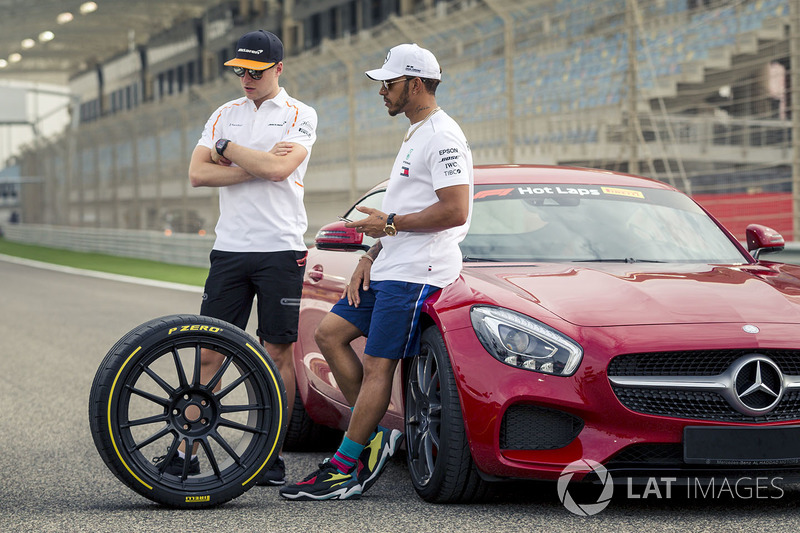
276	475
327	483
375	455
175	465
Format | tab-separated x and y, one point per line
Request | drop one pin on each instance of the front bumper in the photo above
523	424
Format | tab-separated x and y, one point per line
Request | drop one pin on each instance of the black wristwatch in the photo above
221	145
389	228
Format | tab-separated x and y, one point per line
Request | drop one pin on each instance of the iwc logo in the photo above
589	466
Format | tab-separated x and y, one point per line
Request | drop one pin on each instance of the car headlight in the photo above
520	341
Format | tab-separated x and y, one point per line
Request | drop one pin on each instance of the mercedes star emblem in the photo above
757	385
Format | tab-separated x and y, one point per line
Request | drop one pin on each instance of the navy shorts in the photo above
275	278
388	315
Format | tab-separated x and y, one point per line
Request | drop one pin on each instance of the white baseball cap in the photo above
407	60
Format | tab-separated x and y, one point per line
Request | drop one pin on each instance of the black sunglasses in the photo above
255	74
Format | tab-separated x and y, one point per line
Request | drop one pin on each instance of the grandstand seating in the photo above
567	94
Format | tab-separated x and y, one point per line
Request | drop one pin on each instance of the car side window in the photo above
374	201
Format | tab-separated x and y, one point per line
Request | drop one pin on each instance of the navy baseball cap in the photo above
257	50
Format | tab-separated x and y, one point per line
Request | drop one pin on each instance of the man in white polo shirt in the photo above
256	150
425	214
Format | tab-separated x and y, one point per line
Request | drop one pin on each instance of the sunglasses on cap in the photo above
255	74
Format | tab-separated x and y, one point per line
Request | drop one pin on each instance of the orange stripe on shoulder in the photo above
299	184
296	113
219	115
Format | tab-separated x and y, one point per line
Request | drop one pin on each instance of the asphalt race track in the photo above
55	328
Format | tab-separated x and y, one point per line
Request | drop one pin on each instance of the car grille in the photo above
695	363
697	404
530	427
646	462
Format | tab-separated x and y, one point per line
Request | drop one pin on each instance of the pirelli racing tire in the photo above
147	399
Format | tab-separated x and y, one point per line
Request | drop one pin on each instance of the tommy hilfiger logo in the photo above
404	172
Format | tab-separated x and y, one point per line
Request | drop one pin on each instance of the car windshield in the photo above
518	222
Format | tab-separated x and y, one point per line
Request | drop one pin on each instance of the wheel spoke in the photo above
171	451
197	364
432	385
427	454
159	380
188	445
164	402
179	368
218	376
227	447
240	408
144	421
152	438
237	425
212	459
241	379
413	444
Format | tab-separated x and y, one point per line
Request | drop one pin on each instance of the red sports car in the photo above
599	316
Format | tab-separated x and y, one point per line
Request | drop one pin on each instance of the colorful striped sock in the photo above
346	456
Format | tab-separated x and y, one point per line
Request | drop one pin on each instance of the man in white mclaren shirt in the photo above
256	150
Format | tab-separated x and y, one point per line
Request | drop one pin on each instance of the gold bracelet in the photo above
365	256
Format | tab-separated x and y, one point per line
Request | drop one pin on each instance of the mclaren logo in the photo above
757	385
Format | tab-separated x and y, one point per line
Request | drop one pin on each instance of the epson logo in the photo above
248	51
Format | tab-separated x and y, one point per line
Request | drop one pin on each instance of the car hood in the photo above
606	294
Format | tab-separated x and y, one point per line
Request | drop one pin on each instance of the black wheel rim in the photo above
423	415
161	404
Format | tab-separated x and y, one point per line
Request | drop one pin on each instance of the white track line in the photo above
102	275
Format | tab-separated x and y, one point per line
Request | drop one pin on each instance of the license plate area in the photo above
741	445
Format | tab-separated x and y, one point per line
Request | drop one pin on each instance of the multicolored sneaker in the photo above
175	465
327	483
375	454
276	475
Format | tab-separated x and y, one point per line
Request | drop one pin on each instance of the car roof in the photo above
502	174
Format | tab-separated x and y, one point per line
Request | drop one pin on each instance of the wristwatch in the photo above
389	228
221	145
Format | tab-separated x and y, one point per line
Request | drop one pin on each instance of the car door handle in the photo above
315	274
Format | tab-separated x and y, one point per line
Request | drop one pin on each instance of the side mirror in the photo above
763	240
335	236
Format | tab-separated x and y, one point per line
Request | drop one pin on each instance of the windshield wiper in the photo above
625	260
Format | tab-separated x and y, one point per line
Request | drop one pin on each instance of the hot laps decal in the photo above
195	327
554	190
558	190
